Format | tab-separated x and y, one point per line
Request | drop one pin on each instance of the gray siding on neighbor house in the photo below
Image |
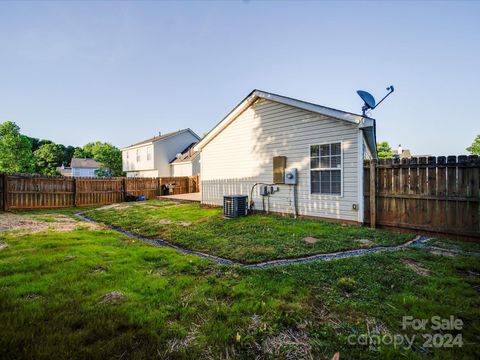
242	153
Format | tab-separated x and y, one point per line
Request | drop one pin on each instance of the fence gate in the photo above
439	194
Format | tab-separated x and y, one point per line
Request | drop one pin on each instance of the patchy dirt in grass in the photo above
3	245
364	243
27	224
174	345
288	344
440	252
112	297
32	297
169	222
99	269
415	266
310	240
114	206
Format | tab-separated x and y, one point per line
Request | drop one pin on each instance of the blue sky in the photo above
120	72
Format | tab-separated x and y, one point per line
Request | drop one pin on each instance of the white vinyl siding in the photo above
187	168
242	153
84	172
153	159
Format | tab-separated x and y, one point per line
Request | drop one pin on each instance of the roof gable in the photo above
258	94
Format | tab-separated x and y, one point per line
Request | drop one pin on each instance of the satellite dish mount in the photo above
369	100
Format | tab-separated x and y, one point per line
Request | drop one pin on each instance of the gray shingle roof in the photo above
84	163
161	137
188	154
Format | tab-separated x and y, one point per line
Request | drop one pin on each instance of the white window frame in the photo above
138	155
149	153
326	196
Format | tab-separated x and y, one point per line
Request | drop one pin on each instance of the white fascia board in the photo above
337	114
137	146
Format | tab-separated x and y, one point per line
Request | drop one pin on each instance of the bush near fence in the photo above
26	191
438	194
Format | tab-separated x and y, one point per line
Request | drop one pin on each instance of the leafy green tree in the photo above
108	155
15	149
384	150
67	154
48	157
82	153
37	143
474	149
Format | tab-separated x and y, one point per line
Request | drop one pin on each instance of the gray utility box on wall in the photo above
235	206
291	176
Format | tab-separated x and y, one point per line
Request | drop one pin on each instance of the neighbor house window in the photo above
138	155
149	154
326	169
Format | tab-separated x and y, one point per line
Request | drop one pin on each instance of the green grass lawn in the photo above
173	306
248	239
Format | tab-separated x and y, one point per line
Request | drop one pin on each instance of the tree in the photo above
108	155
474	149
384	150
48	157
67	154
80	153
15	149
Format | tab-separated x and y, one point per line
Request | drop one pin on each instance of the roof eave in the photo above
256	94
369	130
160	138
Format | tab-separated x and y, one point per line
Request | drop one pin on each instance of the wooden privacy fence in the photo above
439	194
25	191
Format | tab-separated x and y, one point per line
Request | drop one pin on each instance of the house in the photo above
152	157
186	163
326	146
84	167
64	170
405	153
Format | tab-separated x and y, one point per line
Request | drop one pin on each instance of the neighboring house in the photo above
186	163
64	170
325	145
84	167
152	157
406	153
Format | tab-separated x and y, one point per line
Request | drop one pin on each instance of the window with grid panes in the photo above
326	169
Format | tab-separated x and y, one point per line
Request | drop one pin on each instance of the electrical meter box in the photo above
291	176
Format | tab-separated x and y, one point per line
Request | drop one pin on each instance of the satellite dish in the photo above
369	100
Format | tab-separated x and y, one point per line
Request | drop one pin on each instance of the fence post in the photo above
3	191
373	195
74	192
